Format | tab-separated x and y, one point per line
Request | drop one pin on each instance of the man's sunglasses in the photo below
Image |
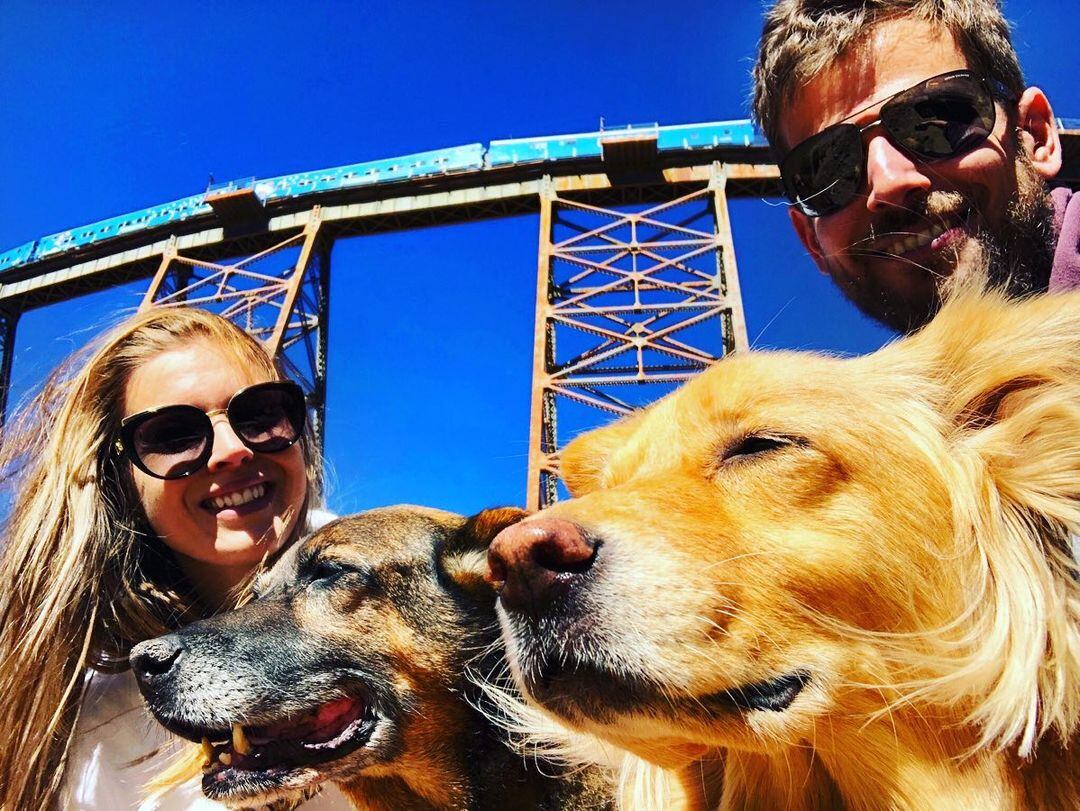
177	440
941	117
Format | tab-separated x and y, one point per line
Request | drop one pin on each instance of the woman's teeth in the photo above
916	240
237	499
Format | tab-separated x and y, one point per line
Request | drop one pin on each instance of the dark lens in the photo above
942	117
172	442
823	173
268	417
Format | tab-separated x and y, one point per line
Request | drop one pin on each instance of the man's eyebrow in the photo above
881	100
875	103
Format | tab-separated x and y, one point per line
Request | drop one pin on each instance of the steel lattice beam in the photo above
279	294
643	298
9	319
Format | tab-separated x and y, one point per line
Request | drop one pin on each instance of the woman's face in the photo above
189	514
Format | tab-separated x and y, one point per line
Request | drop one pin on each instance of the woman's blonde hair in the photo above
82	576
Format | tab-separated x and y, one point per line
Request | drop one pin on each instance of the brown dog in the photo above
351	666
802	582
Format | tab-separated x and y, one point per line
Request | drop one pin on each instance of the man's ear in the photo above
1038	132
804	228
462	557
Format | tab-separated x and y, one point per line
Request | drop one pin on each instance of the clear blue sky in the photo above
113	107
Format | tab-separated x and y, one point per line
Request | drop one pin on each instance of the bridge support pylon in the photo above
281	295
630	303
9	319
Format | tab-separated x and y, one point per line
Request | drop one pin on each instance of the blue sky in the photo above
115	108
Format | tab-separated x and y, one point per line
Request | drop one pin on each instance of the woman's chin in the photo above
236	547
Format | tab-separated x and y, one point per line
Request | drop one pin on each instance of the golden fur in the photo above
894	529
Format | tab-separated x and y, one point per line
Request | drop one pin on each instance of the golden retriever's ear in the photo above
1005	377
583	461
462	557
986	351
1009	390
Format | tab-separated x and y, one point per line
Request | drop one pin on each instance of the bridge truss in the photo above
637	285
280	294
628	305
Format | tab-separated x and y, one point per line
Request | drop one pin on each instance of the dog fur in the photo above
384	613
803	582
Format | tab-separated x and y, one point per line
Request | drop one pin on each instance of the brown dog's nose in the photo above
155	658
534	561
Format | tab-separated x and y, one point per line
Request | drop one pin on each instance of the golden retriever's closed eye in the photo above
805	582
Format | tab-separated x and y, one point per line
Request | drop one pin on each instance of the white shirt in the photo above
119	748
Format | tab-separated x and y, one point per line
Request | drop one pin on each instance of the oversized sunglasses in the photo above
938	118
174	441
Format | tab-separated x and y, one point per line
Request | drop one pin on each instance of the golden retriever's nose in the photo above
532	562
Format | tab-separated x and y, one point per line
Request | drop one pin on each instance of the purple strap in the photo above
1065	273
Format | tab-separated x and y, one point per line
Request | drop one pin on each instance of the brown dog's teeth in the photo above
240	743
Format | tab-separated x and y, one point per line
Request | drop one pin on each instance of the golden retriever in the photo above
803	582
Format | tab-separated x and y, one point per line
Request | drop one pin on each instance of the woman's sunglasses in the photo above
941	117
177	440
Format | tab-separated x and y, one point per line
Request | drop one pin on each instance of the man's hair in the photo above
800	38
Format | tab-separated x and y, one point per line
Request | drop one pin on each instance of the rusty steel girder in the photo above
642	298
280	295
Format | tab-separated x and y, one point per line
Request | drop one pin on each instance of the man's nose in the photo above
893	177
228	449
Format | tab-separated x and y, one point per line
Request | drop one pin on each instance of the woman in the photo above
150	477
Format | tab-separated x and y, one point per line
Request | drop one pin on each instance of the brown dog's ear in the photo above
462	558
583	461
1007	377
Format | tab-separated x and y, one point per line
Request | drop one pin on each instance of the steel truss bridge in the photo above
637	285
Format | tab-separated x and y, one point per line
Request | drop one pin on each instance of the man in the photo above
912	152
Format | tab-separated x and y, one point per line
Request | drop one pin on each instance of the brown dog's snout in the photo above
534	561
155	659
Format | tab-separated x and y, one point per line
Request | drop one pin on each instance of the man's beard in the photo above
1015	257
1018	257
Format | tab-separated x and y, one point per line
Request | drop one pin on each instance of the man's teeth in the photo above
236	499
917	240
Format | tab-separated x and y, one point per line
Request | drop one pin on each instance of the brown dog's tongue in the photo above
330	714
323	724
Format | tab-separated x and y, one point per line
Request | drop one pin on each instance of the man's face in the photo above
918	225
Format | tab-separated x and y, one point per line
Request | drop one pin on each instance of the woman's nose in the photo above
228	449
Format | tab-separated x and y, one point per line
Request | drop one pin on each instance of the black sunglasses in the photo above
940	117
177	440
